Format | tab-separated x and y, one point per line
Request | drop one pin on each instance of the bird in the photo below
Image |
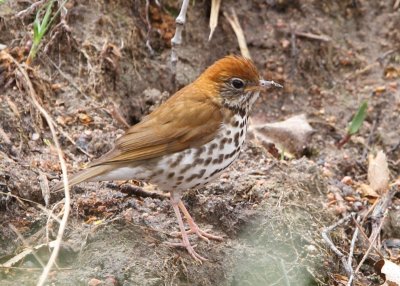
188	141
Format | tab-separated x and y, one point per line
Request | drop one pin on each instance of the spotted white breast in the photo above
193	167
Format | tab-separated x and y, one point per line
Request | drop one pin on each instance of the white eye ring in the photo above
237	83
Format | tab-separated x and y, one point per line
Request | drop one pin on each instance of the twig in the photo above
26	245
234	22
137	191
350	258
365	236
374	237
64	220
177	39
378	216
327	239
311	36
396	5
65	76
215	5
149	28
29	10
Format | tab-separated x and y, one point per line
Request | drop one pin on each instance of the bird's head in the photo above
236	80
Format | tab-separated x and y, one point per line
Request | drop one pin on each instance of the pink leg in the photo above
194	228
175	200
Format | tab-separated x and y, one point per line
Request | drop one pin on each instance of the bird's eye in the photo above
237	83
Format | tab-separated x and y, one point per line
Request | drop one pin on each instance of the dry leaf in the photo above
84	118
368	191
291	135
392	72
378	173
379	89
215	4
388	271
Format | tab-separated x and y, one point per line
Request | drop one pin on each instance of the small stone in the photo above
35	136
347	180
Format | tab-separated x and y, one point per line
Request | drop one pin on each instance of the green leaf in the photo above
358	118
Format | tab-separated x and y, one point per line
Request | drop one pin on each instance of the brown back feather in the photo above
185	120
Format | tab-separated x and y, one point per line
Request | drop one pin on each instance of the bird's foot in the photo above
189	248
204	235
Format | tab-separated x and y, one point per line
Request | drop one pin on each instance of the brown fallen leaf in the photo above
291	135
378	173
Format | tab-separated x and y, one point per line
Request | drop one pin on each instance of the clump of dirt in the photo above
106	65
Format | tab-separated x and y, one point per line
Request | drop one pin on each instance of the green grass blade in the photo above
358	118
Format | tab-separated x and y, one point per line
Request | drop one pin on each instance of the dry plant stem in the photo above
215	5
177	39
351	252
29	10
325	236
365	236
396	5
64	220
234	22
148	45
378	216
322	38
26	245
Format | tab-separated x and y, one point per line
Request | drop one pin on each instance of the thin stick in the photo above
177	39
350	258
372	243
234	21
29	10
149	28
325	236
26	244
215	5
64	220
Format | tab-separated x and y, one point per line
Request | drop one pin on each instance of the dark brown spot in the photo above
177	161
222	143
207	161
198	161
241	132
195	186
242	112
211	148
230	140
201	173
220	158
170	175
180	178
228	132
199	151
236	123
242	124
191	178
215	172
237	139
187	167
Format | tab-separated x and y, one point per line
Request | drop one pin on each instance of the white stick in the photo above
67	206
177	39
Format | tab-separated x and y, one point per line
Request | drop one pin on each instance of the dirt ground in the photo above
94	71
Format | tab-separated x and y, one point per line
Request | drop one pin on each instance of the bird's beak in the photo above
268	83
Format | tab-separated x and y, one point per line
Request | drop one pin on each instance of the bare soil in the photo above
94	71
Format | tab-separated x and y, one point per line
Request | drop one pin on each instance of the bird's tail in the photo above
84	175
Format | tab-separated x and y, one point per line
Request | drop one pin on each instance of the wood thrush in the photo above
187	141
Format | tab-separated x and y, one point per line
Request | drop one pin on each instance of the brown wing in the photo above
185	120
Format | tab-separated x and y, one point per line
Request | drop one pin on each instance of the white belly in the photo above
192	167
